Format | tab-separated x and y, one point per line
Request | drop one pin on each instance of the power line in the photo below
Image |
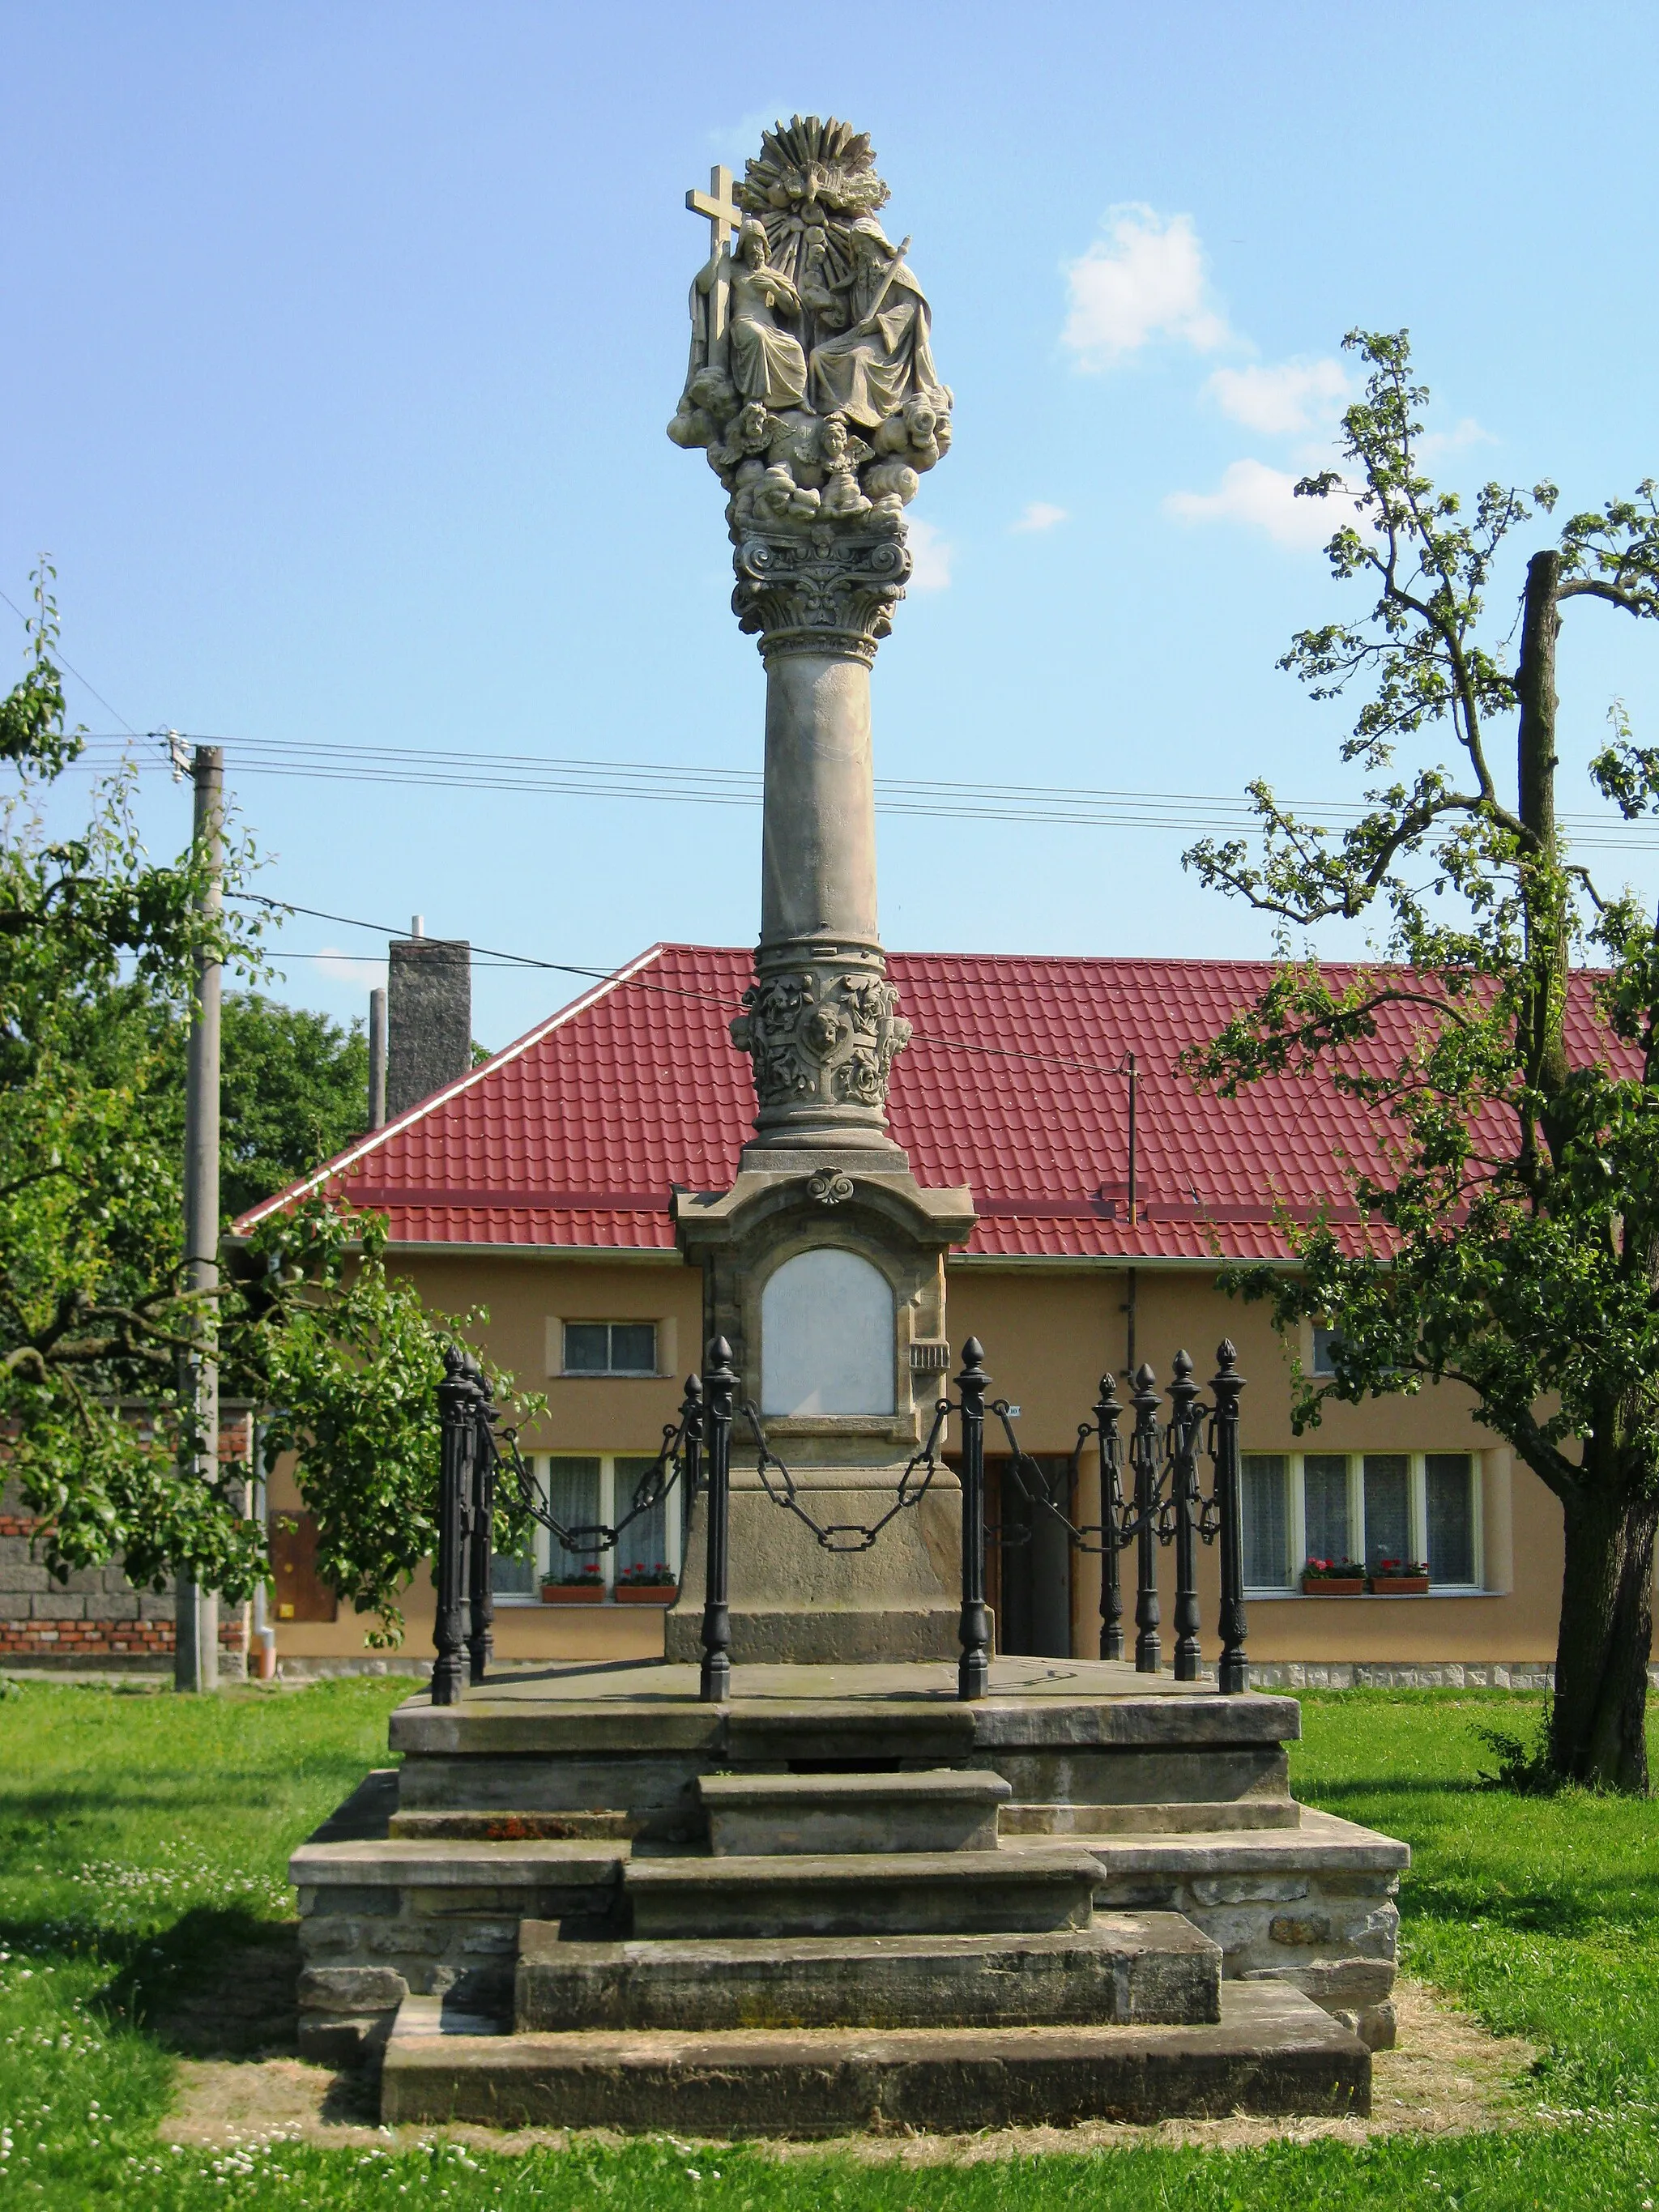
74	672
493	954
421	768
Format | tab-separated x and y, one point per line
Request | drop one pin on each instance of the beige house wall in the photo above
1048	1331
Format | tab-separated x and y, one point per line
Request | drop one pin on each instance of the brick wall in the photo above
96	1613
97	1617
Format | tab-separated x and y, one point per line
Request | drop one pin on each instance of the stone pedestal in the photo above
828	1283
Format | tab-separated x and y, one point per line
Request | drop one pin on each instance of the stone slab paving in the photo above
1272	2051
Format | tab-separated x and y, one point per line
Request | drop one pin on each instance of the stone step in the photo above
1272	2051
1122	1966
1022	1892
510	1827
410	1909
1068	1821
940	1809
1285	1903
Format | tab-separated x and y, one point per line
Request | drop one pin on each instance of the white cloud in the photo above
1144	280
1285	401
734	144
1040	515
930	558
341	967
1435	443
1262	499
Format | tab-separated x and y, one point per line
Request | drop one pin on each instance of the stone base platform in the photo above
1120	1966
576	1863
1272	2051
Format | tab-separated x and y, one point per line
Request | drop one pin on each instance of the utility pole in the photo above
195	1611
377	1059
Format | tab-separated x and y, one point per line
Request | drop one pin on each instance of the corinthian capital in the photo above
822	589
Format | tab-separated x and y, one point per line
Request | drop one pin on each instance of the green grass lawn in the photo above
142	1839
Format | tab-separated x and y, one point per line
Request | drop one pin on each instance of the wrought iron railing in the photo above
482	1468
1167	1505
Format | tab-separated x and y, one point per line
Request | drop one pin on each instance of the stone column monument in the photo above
811	388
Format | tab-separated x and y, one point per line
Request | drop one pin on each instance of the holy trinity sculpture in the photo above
810	385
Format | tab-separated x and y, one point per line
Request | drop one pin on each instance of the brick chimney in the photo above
428	1016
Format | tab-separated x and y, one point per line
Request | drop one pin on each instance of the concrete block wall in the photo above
1414	1674
95	1622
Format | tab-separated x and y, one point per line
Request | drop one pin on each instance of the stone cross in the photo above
724	216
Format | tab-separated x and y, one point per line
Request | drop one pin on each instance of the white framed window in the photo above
1321	1344
1367	1507
590	1490
609	1347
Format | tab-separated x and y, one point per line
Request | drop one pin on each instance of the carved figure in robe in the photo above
764	361
885	355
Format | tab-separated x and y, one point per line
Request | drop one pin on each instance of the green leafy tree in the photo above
98	953
349	1359
1513	1201
293	1093
94	938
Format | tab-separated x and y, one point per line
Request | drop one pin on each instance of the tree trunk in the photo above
1542	891
1596	1727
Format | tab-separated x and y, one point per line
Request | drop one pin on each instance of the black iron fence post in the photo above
1108	1414
455	1415
973	1631
720	1383
1183	1483
691	1451
481	1548
1143	1451
1233	1674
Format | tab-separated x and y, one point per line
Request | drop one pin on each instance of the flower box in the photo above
645	1593
573	1593
1399	1585
1333	1578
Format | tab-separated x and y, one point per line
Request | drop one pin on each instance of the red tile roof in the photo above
575	1135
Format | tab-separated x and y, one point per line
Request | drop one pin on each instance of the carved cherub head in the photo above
832	441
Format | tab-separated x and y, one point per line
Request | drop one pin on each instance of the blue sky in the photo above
340	341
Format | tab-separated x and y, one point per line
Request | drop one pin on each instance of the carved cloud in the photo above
1144	280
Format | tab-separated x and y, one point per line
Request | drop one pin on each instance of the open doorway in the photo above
1027	1563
